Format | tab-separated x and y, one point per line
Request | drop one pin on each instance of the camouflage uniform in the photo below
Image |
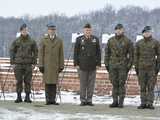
147	58
23	54
118	61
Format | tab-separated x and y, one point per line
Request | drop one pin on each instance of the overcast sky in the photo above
69	7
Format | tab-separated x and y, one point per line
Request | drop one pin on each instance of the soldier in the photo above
51	62
87	56
147	60
118	61
23	54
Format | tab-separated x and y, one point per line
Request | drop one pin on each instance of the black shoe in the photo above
83	104
113	105
142	106
150	106
18	100
120	106
48	103
89	104
54	103
27	101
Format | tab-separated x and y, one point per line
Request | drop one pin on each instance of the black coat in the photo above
87	53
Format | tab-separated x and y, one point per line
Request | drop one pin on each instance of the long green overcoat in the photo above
51	57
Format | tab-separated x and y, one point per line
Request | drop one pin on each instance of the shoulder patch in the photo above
46	35
94	40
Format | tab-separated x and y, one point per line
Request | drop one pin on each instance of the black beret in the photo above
118	26
87	25
23	26
147	29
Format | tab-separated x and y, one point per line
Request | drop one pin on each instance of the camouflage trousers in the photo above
147	80
118	77
23	74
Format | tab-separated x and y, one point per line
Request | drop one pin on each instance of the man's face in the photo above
24	32
147	34
51	31
87	32
119	31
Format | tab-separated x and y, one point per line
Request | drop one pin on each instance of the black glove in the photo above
107	68
157	69
11	62
41	69
60	70
128	68
34	62
137	71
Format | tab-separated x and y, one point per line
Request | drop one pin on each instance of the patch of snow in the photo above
28	114
72	97
23	113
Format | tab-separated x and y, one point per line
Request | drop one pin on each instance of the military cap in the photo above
23	26
147	29
118	26
87	25
51	25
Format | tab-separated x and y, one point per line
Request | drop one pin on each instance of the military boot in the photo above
27	98
19	98
150	106
114	104
142	106
121	100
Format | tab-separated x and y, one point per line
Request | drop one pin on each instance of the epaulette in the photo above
45	35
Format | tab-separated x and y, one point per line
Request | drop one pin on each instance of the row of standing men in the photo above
120	55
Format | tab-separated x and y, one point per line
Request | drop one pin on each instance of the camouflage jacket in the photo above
147	53
23	51
119	51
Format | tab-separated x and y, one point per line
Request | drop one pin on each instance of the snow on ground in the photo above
27	114
72	97
70	101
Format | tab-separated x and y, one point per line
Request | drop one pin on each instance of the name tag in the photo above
94	40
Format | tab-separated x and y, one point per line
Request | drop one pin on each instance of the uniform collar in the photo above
52	37
24	37
47	36
88	38
148	38
118	37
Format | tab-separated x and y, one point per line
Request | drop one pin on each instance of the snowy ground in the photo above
70	110
72	97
